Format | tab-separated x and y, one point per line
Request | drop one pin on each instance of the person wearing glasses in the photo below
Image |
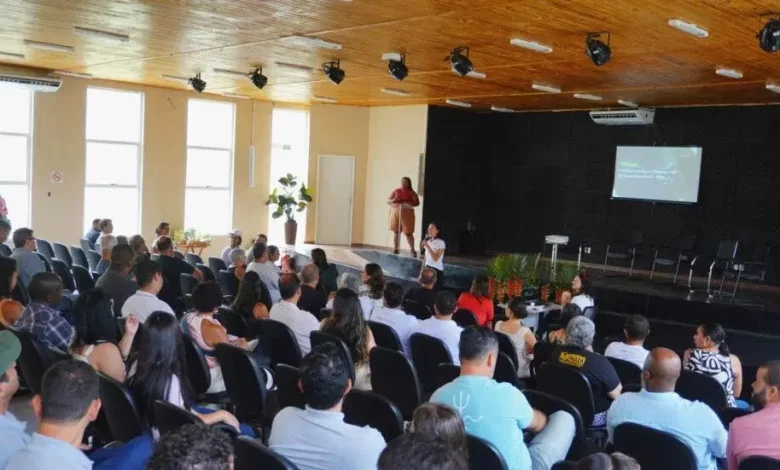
27	260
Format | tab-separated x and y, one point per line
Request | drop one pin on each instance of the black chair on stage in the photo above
33	360
628	372
234	322
725	256
385	336
318	337
464	318
653	448
216	264
706	389
677	255
43	247
121	412
5	250
395	378
228	281
627	251
281	343
60	268
549	404
193	259
759	462
170	417
484	455
750	269
363	408
506	346
570	385
198	373
506	371
446	373
93	259
208	274
61	252
289	393
251	454
427	353
417	309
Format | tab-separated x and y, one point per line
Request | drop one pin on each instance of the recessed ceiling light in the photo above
324	99
48	46
629	104
730	73
547	88
690	28
235	95
317	43
462	104
532	45
73	74
499	109
475	74
175	78
11	55
588	97
231	73
87	32
295	67
771	86
392	91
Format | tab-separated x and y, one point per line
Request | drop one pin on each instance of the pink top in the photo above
194	321
754	434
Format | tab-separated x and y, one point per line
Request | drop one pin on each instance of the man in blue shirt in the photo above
41	318
12	433
499	412
27	260
94	232
658	407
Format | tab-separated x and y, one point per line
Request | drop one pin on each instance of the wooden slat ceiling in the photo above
652	64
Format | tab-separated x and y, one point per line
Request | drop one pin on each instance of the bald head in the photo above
310	275
662	369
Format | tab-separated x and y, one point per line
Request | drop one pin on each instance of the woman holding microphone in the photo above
402	202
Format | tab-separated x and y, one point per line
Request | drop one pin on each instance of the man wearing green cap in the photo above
12	434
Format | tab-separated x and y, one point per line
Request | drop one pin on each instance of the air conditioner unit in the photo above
629	117
28	78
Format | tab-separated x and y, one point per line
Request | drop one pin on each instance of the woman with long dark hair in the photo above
328	272
580	291
347	323
478	301
711	356
253	300
10	309
372	289
522	337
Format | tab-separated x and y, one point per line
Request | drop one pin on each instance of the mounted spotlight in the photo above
197	83
258	78
334	72
461	64
598	52
397	67
769	36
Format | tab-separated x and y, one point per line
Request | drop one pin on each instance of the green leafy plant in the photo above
565	272
288	198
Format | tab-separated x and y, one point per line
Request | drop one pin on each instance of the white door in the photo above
335	183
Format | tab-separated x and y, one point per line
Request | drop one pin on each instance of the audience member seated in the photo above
148	276
300	322
420	452
478	301
93	233
347	323
273	256
193	447
425	293
28	263
522	337
252	301
328	272
350	281
441	422
96	331
122	240
11	429
41	318
173	267
312	300
5	230
499	412
441	325
317	438
235	242
118	281
580	289
138	244
758	433
711	356
107	242
558	335
10	309
372	289
578	354
237	263
635	329
163	230
106	227
602	461
392	315
659	407
266	270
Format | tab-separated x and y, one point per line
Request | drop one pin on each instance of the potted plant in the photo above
288	198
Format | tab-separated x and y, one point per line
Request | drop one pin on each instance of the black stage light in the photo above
461	64
197	83
334	72
398	68
258	78
769	36
598	52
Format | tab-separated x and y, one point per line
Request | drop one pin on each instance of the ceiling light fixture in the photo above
461	64
769	36
396	65
475	74
392	91
629	104
588	97
230	73
598	52
197	83
334	71
48	46
90	32
499	109
235	95
461	104
317	43
73	74
11	55
771	86
296	67
531	45
730	73
175	78
324	99
258	79
690	28
547	88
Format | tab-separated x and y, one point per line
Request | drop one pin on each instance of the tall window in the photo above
289	154
114	123
210	134
15	133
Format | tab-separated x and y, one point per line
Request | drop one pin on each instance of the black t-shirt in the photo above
423	296
599	371
312	300
171	268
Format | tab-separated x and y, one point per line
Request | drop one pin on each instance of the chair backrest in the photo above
446	373
727	250
590	312
251	454
244	380
86	244
568	384
228	282
653	448
45	260
234	322
178	254
216	264
170	417
363	408
43	247
208	274
319	337
193	259
417	309
79	257
395	378
628	372
93	259
120	410
289	394
5	250
636	238
549	404
695	386
61	252
506	346
62	270
506	371
281	342
33	360
484	455
464	318
686	243
187	283
759	462
427	353
385	336
197	367
82	278
542	351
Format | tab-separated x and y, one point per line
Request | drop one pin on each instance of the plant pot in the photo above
290	232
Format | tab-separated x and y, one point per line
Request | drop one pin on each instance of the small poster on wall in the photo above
55	177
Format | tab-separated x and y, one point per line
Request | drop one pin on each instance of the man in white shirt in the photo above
636	328
392	315
144	302
267	271
300	322
441	325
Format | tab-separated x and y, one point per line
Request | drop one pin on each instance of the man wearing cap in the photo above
12	433
235	242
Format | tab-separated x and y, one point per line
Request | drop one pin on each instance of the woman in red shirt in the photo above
478	301
401	202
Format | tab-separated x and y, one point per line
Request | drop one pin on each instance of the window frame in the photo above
27	183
